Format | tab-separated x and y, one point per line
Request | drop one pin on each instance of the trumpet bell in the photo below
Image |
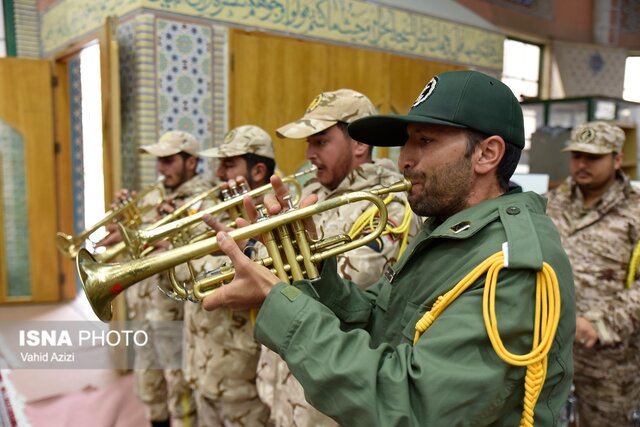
66	245
99	296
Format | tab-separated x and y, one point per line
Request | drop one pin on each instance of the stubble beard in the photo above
444	192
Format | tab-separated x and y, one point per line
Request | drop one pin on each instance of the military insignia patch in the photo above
426	92
586	136
229	137
377	245
314	103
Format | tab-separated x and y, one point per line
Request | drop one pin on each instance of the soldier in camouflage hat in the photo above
221	353
597	212
344	165
159	377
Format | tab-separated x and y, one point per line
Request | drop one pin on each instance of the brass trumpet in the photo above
103	282
118	248
139	241
126	212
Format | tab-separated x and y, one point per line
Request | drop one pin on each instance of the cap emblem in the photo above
316	101
586	136
426	92
228	139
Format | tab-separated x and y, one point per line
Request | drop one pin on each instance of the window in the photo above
521	68
631	82
521	72
92	137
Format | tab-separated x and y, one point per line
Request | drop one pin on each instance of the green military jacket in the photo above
352	350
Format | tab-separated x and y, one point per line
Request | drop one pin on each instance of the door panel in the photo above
273	79
28	183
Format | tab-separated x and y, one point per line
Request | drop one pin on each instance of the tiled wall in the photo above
172	73
354	22
590	70
14	211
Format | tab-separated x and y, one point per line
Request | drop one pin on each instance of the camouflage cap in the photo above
596	138
243	140
327	109
173	142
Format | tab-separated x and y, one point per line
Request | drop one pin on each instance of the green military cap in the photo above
463	99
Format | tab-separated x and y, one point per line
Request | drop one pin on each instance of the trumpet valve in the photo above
243	188
289	202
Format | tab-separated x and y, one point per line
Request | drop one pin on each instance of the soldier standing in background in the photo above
159	377
598	215
221	352
344	165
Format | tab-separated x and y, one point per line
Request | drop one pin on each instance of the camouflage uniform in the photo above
159	377
221	353
160	382
599	242
364	266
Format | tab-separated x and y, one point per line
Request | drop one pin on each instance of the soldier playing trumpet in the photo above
160	381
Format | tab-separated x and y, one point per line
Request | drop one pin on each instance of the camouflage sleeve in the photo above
365	265
618	319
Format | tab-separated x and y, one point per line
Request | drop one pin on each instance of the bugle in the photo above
139	241
103	282
126	212
119	247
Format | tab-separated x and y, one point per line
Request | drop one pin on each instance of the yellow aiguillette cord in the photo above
633	266
369	216
547	316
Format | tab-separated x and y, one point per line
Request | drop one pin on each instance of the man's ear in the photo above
617	161
360	149
259	173
488	154
192	163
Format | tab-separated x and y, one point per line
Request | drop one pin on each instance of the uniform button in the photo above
513	210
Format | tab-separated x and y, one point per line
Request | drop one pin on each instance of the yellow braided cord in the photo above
186	409
368	219
253	315
547	316
633	266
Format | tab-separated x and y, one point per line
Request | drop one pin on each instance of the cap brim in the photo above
389	130
210	152
304	127
587	148
158	151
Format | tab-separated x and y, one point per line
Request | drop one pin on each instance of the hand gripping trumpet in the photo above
293	256
139	242
126	212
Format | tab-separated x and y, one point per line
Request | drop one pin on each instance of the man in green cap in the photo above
475	322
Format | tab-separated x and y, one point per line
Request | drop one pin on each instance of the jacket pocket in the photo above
412	314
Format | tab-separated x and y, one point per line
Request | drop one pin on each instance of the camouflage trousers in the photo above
243	413
599	406
279	389
159	379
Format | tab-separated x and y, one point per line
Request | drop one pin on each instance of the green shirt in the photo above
352	350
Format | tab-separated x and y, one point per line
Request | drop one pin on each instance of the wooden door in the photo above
29	270
273	79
